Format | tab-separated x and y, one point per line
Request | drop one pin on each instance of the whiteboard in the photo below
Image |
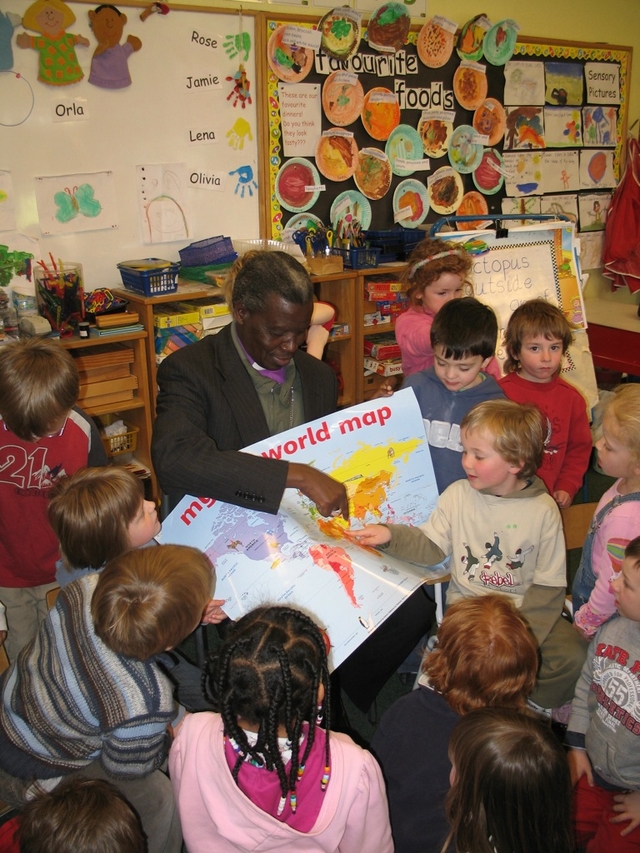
161	155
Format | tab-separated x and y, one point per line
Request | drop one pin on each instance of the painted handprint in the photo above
246	182
238	132
238	45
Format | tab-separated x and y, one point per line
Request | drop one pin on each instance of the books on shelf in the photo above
119	330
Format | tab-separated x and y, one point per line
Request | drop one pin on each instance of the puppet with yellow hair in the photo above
58	61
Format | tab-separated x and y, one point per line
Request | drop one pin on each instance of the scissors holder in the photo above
323	264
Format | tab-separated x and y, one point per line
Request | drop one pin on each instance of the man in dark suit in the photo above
246	383
237	387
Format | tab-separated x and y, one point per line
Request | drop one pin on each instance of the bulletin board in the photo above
170	159
571	171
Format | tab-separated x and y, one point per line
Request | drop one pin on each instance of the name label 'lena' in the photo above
201	137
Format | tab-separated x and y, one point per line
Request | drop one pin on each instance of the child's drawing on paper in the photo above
162	202
596	170
58	61
524	172
525	128
562	127
7	204
560	171
522	205
71	203
523	83
563	83
109	65
593	211
600	125
560	205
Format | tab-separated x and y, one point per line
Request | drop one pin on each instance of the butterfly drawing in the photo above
71	202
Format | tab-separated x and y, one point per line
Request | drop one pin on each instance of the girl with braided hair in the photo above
262	772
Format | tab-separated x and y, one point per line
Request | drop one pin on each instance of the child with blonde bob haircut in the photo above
617	517
536	339
97	514
101	706
43	437
510	786
503	533
485	656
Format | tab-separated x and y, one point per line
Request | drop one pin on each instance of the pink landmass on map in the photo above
336	560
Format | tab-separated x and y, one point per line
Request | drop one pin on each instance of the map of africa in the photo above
378	450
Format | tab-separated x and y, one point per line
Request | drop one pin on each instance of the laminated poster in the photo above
379	451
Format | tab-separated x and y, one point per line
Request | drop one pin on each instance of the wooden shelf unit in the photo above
144	305
136	411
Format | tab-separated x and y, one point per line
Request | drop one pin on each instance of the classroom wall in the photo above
610	21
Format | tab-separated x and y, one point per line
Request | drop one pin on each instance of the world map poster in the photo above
299	558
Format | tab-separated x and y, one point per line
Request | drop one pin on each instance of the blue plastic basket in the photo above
214	250
150	276
358	259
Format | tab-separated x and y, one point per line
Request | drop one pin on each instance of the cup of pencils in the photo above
60	293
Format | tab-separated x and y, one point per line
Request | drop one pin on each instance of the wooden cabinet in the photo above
144	305
345	291
136	411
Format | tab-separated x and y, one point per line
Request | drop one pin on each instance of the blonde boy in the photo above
503	533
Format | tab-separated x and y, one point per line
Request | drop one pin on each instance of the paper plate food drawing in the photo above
337	154
490	120
436	132
470	85
464	153
472	203
471	38
500	42
488	177
340	30
302	221
435	44
348	206
445	190
342	98
389	27
289	62
373	173
411	194
291	184
404	143
380	112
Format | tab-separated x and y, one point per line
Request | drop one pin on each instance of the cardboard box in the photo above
382	347
391	367
170	316
216	308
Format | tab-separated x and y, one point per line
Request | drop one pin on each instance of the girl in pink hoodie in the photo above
263	774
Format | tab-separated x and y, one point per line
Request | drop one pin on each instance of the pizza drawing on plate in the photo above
436	134
380	113
472	203
445	190
389	27
435	45
470	86
490	120
342	98
337	155
340	31
373	173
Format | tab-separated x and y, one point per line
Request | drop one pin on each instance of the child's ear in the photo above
516	469
485	363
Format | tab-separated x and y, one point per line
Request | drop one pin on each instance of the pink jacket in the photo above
216	815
